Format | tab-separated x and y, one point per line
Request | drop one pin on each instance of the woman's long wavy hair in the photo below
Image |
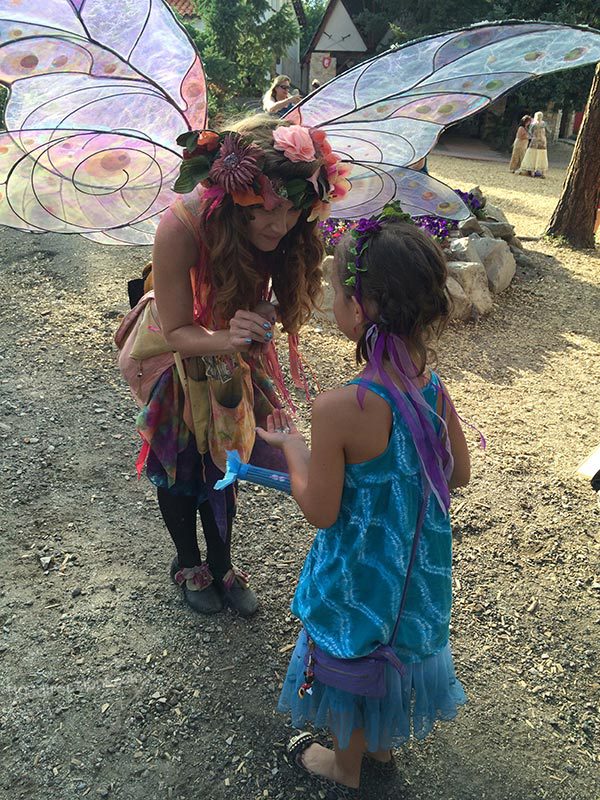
238	271
402	287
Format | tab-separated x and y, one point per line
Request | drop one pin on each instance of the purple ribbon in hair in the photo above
433	449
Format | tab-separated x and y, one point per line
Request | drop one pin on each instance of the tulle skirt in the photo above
534	160
427	691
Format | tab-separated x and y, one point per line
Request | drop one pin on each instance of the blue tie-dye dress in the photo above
349	594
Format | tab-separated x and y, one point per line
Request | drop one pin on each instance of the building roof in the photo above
343	18
183	7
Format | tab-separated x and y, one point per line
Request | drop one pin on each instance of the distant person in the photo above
520	144
277	99
314	84
535	160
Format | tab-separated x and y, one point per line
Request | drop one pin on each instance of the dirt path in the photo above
112	689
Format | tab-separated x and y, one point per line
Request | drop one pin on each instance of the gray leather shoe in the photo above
199	590
237	594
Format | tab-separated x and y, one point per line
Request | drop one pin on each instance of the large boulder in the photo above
499	263
461	307
473	280
462	249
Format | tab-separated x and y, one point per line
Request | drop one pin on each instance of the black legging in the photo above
179	513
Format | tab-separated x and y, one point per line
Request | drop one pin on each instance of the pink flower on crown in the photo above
321	142
295	142
339	186
237	165
269	195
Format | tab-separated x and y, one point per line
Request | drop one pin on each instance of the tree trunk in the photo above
575	213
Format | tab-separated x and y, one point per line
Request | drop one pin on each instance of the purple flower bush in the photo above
332	230
437	227
471	202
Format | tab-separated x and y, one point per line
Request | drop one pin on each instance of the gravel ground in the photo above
112	688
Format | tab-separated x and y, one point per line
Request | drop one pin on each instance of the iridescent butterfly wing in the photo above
387	113
98	93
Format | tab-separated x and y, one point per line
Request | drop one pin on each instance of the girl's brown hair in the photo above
238	271
402	287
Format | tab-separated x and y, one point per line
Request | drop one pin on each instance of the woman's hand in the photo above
247	328
280	430
266	310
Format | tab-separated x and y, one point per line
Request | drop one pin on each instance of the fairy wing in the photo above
388	112
98	93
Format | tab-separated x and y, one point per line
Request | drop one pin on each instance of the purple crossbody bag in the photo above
364	676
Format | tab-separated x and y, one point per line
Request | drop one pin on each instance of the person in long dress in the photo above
520	144
535	160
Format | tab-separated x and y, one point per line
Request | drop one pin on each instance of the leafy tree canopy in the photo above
240	42
313	10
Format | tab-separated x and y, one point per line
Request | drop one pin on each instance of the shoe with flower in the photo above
199	589
237	594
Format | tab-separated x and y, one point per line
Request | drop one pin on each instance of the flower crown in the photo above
230	163
362	234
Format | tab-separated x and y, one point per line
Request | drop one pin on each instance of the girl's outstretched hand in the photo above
280	429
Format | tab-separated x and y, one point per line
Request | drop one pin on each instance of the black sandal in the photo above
332	789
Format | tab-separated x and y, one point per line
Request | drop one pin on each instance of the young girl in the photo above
386	449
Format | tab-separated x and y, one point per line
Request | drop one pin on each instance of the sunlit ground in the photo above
527	202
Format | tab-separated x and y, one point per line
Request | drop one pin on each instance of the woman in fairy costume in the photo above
247	229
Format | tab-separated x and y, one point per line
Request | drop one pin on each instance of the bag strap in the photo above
181	370
413	553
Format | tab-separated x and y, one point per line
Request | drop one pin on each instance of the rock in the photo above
494	213
499	263
462	249
522	259
461	305
476	192
470	225
473	280
515	242
485	231
501	230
